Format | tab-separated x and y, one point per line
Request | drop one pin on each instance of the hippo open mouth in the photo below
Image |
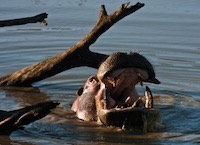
111	98
126	110
120	92
120	72
129	112
122	106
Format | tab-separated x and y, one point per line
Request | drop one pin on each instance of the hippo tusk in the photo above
148	98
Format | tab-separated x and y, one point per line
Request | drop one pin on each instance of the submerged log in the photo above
76	56
12	120
21	21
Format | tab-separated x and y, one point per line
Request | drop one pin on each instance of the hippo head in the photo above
110	96
119	73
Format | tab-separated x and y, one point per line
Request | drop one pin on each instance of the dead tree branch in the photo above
76	56
38	18
12	120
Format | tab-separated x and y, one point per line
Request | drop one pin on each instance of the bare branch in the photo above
38	18
76	56
12	120
103	12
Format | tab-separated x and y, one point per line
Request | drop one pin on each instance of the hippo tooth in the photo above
148	98
104	94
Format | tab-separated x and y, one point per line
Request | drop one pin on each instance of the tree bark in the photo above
76	56
38	18
12	120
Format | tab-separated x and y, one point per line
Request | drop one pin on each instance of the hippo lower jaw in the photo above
136	119
140	116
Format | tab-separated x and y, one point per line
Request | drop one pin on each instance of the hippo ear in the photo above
80	91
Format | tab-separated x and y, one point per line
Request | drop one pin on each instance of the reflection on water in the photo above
166	34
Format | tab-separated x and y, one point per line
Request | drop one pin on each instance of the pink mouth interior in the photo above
121	86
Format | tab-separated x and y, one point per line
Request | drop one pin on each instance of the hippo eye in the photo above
92	79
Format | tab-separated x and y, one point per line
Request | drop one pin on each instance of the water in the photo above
166	32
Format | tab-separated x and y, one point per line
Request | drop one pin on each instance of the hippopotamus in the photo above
112	88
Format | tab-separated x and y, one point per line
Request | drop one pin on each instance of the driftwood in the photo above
76	56
12	120
21	21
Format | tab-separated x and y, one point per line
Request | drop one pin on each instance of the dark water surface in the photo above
166	32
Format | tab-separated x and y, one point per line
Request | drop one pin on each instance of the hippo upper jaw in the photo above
120	86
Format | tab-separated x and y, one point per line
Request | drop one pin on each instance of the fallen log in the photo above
76	56
12	120
21	21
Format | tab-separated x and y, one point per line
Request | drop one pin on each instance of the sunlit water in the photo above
166	32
